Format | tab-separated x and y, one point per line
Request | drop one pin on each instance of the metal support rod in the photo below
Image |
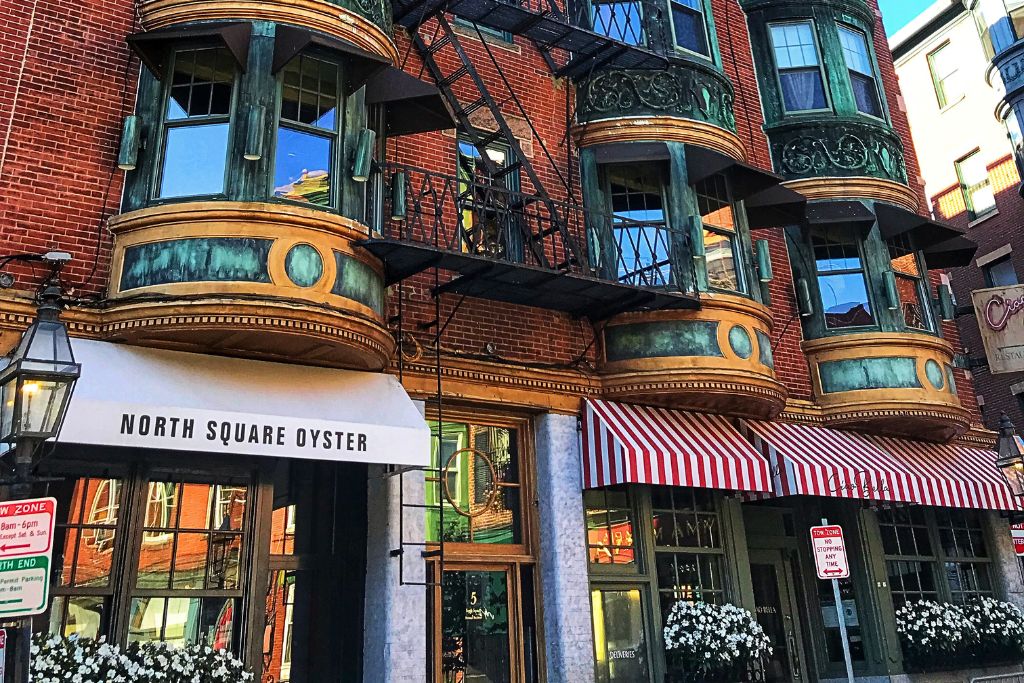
21	488
842	623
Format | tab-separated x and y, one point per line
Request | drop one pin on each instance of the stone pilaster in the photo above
1006	570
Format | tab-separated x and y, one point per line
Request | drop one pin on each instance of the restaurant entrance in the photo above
776	610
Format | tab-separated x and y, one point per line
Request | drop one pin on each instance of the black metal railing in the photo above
487	218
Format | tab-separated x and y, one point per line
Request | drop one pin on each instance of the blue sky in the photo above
897	13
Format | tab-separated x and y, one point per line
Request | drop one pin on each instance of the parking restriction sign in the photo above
26	546
830	552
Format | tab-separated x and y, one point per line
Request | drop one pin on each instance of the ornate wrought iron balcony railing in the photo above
510	245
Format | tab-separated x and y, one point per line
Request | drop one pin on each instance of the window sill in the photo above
984	217
950	105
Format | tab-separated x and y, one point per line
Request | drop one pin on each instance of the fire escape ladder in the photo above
445	37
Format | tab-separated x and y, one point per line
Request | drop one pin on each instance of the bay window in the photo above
842	282
910	285
621	21
721	248
861	72
640	224
798	62
197	116
690	26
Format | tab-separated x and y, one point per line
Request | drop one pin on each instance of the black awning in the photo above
894	221
152	47
410	105
953	253
745	180
289	41
775	207
629	152
843	212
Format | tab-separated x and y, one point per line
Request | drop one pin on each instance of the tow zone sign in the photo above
26	546
830	552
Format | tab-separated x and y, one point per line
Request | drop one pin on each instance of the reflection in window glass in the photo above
479	484
830	620
304	160
196	135
183	621
721	253
909	282
620	643
621	21
841	280
487	226
609	526
639	224
1000	273
475	643
689	27
796	57
862	74
975	185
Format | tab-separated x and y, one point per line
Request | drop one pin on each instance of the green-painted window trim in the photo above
972	213
863	270
777	71
709	34
740	248
937	82
875	73
163	125
337	170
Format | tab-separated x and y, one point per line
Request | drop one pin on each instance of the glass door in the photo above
478	640
777	614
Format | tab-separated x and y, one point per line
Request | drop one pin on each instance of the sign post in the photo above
832	564
26	549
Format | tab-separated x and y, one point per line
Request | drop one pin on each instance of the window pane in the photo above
794	45
688	22
620	643
201	84
183	621
309	95
855	50
796	57
194	160
621	21
1001	273
865	92
78	615
720	254
639	224
975	185
903	262
945	75
802	89
844	298
475	642
835	251
302	170
609	529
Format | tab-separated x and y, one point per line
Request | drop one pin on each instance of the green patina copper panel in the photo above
304	265
950	380
764	349
376	11
739	340
833	149
359	282
662	339
200	259
933	371
868	373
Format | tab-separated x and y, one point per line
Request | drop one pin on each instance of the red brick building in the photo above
657	275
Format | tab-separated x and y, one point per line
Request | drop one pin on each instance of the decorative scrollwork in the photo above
685	91
840	151
377	11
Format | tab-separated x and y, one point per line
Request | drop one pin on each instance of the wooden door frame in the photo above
786	578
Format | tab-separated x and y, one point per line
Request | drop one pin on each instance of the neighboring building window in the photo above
799	66
690	26
862	74
182	559
945	70
909	283
935	554
841	280
1000	273
196	123
621	21
305	161
610	527
640	224
486	31
721	246
488	226
975	185
689	553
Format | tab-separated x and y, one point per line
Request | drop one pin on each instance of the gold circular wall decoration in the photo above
492	473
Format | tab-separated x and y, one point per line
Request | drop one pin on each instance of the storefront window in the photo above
720	243
841	280
830	620
620	642
935	554
196	123
610	526
185	551
688	546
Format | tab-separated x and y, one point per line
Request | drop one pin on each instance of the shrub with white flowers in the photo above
999	628
931	632
705	637
80	660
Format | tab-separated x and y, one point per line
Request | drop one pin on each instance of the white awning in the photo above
148	398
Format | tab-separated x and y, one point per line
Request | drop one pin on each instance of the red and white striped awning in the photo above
628	444
817	461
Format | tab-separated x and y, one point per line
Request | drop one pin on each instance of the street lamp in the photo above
35	387
1010	459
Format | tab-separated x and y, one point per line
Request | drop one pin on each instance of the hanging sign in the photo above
1000	312
830	552
1017	533
26	548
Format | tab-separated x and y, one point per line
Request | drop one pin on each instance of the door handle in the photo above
794	657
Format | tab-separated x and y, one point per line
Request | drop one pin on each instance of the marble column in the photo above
565	584
1006	569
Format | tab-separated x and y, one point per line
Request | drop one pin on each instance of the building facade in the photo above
952	92
433	341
